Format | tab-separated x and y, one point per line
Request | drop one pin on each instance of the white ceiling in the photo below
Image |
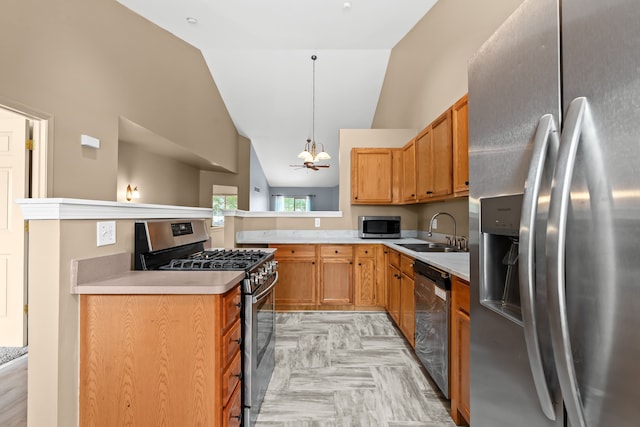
259	53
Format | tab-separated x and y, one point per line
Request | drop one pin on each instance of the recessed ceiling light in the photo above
192	20
346	5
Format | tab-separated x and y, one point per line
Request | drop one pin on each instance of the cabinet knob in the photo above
359	263
466	183
356	197
350	262
239	341
238	304
238	417
366	252
292	251
313	262
413	195
429	192
336	251
239	375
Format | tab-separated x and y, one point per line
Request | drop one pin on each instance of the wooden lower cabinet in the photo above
393	304
460	347
407	300
330	277
336	276
297	277
151	360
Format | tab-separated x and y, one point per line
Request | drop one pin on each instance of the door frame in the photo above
40	166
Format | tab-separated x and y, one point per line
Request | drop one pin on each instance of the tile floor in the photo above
347	369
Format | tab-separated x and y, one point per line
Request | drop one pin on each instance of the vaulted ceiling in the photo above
259	54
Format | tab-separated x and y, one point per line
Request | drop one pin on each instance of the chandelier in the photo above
310	153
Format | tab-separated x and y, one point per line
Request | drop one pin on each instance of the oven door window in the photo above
264	314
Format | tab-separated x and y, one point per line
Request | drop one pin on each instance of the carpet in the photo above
7	354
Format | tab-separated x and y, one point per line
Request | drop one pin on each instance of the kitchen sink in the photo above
429	247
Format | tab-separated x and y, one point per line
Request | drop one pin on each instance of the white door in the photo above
13	185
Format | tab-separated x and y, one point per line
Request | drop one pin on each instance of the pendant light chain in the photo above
313	116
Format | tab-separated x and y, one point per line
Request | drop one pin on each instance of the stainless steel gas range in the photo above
178	245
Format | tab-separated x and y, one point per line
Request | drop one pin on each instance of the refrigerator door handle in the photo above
545	140
556	268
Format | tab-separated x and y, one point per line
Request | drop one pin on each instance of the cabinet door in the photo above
396	178
460	326
463	327
365	278
441	153
393	282
407	308
460	130
371	176
409	172
424	170
336	281
296	282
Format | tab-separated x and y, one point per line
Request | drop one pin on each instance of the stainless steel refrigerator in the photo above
554	164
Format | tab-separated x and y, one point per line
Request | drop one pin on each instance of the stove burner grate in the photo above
223	259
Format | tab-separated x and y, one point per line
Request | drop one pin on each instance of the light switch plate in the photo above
317	222
106	233
89	141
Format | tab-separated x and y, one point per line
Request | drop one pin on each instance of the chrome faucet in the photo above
430	233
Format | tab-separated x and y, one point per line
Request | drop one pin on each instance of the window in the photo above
292	203
224	199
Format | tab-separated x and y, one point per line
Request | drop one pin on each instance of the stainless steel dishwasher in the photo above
433	303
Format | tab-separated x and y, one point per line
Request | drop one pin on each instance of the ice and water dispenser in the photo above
499	231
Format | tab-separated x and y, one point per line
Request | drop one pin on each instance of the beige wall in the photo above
161	180
241	179
85	63
427	69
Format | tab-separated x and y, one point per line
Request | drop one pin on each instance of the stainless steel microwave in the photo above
379	227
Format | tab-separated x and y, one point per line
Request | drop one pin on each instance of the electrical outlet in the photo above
106	233
435	223
317	223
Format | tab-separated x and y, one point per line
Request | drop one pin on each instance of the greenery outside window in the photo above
223	202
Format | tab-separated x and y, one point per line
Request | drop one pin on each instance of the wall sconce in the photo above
132	193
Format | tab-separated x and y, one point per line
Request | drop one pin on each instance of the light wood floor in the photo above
13	393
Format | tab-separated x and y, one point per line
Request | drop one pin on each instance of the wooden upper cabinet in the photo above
396	178
371	176
460	130
424	173
441	153
409	172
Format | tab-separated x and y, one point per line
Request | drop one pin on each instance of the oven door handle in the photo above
266	291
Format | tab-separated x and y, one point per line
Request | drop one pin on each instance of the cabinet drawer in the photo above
231	343
337	251
294	251
461	289
394	258
231	303
231	378
232	413
363	251
406	265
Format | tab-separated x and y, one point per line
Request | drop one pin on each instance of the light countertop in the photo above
456	263
112	274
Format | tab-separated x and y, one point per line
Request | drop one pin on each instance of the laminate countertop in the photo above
455	263
112	274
